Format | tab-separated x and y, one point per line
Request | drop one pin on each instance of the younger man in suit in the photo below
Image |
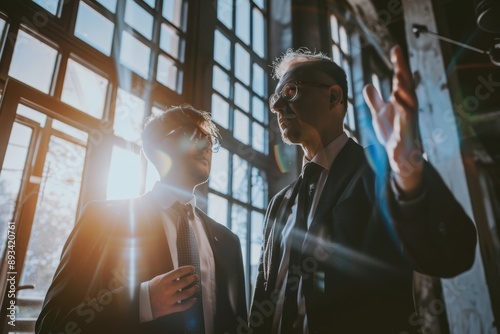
154	264
342	242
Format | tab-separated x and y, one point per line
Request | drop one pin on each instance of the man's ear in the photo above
336	95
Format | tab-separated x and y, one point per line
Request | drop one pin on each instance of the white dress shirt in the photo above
165	196
325	159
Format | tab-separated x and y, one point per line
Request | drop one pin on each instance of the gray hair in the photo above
324	63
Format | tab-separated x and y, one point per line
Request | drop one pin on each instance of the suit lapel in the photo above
340	174
277	223
152	238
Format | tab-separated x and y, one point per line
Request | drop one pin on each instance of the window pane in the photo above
124	174
2	29
257	227
108	4
225	12
31	114
259	138
219	176
49	5
54	219
259	30
69	130
243	19
259	109
239	226
94	29
150	3
242	64
84	89
334	27
152	176
167	72
222	50
129	116
240	178
34	71
259	80
220	81
350	120
241	127
11	176
170	41
139	19
220	111
135	55
344	42
259	188
260	3
347	68
217	208
242	97
336	54
172	11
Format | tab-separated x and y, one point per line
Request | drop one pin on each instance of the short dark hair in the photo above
324	63
156	126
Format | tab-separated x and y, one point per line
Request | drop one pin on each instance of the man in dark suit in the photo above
342	242
154	264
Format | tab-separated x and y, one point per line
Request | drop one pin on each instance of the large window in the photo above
341	53
101	68
238	189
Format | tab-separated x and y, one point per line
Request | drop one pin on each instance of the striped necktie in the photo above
187	251
306	192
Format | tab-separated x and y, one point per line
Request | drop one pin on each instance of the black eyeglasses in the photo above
290	91
191	135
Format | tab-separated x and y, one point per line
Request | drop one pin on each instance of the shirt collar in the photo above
166	195
326	156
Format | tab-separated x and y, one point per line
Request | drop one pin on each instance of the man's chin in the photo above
290	138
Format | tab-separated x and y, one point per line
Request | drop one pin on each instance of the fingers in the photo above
403	87
180	272
184	282
173	292
186	293
400	65
180	307
381	114
373	99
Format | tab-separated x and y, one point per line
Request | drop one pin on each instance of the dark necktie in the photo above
187	249
306	192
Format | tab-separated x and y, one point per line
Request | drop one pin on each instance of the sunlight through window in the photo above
124	174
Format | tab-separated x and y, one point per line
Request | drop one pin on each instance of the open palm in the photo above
395	123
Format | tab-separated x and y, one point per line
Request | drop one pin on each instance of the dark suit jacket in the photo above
362	248
114	247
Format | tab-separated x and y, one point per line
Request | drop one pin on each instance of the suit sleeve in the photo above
437	235
90	292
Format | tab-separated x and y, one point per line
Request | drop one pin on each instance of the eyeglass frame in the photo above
275	96
213	140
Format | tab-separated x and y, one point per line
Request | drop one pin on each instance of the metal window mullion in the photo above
231	198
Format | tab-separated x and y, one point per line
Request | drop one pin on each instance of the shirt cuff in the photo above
145	312
405	200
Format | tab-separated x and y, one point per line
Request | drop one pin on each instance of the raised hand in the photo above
395	123
170	293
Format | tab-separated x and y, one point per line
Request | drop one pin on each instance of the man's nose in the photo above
279	105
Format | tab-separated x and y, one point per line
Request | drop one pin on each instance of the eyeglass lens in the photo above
288	92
